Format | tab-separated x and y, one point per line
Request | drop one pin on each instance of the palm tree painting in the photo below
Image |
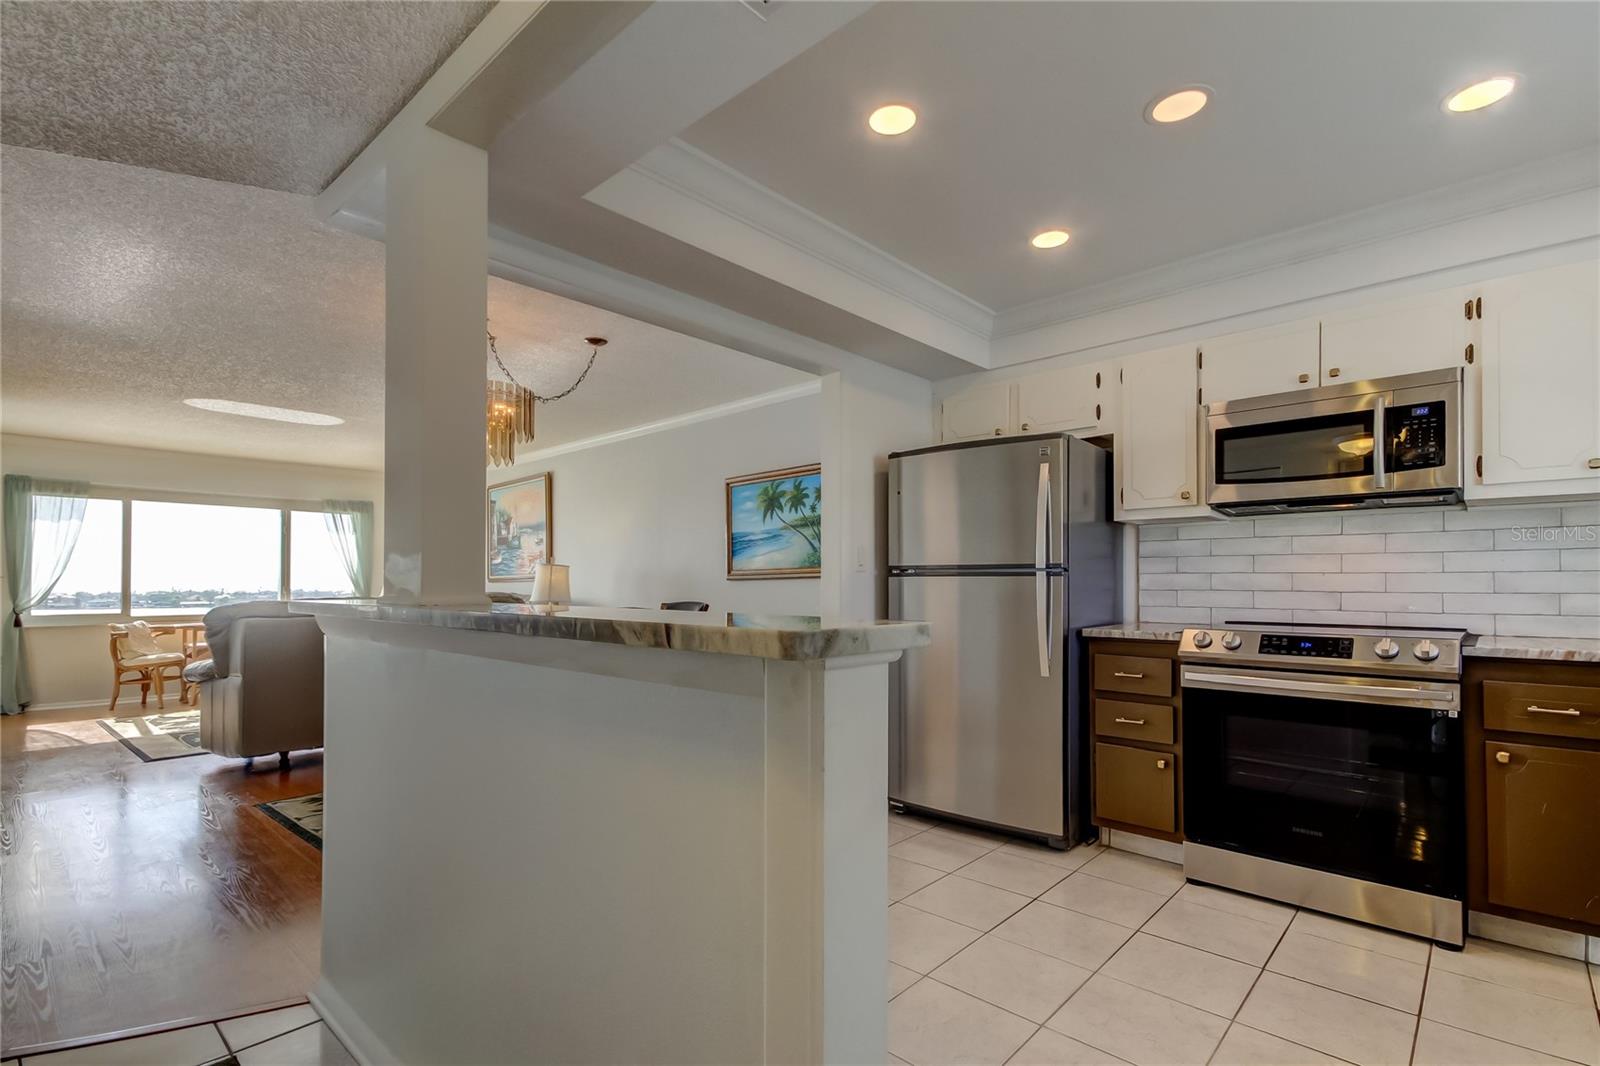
775	523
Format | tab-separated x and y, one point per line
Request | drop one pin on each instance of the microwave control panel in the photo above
1416	436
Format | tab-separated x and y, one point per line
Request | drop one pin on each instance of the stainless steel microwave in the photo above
1387	442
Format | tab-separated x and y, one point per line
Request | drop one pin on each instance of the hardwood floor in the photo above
144	894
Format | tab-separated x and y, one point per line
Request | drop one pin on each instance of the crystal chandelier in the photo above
508	407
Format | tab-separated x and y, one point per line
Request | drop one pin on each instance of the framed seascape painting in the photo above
519	527
775	523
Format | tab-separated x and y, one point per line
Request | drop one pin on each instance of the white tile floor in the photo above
293	1036
1004	952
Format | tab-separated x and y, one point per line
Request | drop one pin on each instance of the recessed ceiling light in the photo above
1177	106
256	410
1051	238
1481	94
892	120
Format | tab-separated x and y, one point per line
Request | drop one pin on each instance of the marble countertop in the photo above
1132	632
1554	649
762	636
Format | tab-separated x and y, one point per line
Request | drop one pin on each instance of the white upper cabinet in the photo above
1259	362
983	411
1426	332
1540	365
1158	439
1074	399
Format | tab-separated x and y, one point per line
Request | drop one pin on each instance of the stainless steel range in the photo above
1324	768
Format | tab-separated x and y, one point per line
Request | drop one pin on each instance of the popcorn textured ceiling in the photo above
274	94
126	290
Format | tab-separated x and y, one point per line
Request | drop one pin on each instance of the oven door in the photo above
1356	776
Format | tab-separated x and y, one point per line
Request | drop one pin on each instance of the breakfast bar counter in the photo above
659	835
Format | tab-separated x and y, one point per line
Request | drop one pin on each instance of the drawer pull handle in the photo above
1570	712
1161	764
1130	721
1502	757
1137	677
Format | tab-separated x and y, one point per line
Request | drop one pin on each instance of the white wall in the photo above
641	520
71	663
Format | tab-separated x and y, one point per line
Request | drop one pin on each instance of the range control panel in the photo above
1336	649
1317	647
1416	436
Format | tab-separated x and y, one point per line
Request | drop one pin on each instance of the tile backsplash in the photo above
1531	570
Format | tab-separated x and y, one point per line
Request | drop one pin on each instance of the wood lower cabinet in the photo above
1533	791
1543	829
1137	716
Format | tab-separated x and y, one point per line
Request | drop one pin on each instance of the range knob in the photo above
1202	639
1387	648
1426	650
1231	641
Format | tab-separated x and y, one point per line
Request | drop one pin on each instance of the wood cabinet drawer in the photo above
1133	721
1136	786
1133	673
1543	852
1554	710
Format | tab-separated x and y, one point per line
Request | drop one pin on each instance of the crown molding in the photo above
689	418
685	193
1529	183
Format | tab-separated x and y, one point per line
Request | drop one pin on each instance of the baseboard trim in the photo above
1545	938
362	1043
70	705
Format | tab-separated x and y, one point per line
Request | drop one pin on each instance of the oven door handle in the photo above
1305	687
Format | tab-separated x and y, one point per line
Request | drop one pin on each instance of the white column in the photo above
436	263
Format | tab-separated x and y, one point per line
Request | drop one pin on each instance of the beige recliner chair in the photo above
261	690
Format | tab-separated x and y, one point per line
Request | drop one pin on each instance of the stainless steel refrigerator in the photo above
1008	550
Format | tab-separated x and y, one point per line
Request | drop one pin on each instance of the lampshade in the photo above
551	584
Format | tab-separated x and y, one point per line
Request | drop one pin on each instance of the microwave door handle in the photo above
1380	444
1041	575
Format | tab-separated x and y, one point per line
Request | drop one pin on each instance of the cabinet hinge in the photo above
1197	394
1480	468
1119	374
1199	359
1477	307
1097	379
1097	412
1122	497
1467	310
1469	354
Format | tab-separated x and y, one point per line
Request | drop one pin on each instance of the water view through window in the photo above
93	578
191	557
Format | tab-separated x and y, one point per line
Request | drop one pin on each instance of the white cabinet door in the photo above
1426	332
1541	377
984	411
1157	441
1070	400
1259	362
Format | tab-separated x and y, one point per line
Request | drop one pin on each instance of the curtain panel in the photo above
42	522
350	526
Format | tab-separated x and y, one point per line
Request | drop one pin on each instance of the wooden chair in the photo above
136	658
192	640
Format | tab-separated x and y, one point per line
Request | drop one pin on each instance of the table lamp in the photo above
552	587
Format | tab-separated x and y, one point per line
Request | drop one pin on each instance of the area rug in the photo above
154	737
301	815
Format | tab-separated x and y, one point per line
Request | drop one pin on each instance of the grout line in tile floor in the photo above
995	843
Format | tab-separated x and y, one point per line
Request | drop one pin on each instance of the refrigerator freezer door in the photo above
979	729
977	505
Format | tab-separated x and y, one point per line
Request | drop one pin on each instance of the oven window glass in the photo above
1368	791
1303	449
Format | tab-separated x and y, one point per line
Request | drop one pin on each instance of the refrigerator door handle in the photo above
1041	578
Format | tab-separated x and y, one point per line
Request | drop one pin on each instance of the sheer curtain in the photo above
43	520
350	526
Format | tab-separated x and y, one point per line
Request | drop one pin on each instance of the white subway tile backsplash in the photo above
1338	582
1509	570
1464	541
1502	517
1309	601
1297	564
1299	525
1214	564
1393	602
1547	625
1270	582
1343	543
1252	546
1464	582
1394	522
1413	563
1502	602
1494	562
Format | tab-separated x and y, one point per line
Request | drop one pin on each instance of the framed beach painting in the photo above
519	527
775	523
